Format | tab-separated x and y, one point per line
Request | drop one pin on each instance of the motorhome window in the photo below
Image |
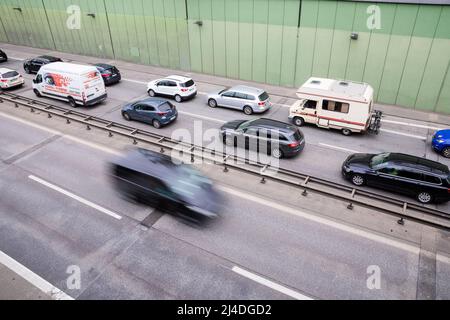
310	104
335	106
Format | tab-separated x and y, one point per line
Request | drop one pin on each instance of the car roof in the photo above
49	58
177	78
274	124
148	162
5	70
247	89
152	101
103	65
418	163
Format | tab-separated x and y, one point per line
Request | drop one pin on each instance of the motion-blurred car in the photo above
178	87
10	78
426	180
154	179
3	56
33	65
155	111
441	142
275	137
110	74
244	98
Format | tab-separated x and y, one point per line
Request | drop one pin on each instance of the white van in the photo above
74	83
336	104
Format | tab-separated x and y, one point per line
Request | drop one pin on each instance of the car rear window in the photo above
263	96
10	74
165	107
187	84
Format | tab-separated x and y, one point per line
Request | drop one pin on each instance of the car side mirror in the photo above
34	80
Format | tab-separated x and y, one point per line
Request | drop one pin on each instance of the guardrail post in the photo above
304	193
110	134
161	150
401	221
49	115
88	127
134	141
32	109
16	105
263	180
67	121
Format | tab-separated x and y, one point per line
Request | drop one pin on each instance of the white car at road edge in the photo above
179	87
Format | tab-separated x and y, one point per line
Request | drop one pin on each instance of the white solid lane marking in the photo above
411	124
75	197
443	258
338	148
404	134
324	221
15	58
201	117
270	284
69	137
135	81
33	278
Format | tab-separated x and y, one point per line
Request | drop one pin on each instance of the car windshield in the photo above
263	96
187	84
188	182
10	74
245	124
379	159
165	107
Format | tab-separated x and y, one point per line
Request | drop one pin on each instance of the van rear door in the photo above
94	86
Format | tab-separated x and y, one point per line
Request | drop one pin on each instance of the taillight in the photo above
261	103
448	190
4	80
184	90
293	144
162	113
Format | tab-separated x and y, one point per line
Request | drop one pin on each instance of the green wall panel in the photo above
280	42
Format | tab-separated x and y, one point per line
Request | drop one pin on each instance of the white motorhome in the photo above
336	104
74	83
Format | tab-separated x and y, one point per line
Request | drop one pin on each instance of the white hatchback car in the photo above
178	87
10	78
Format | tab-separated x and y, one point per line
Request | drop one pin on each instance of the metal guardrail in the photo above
403	210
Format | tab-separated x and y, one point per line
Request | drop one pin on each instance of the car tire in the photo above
212	103
151	93
248	110
358	180
424	197
156	124
178	98
346	132
299	121
72	102
126	116
277	153
37	93
446	152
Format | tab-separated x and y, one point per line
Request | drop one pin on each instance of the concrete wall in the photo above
280	42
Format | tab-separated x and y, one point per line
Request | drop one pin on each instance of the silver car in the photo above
248	99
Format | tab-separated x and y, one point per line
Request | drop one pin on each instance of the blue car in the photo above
155	111
441	142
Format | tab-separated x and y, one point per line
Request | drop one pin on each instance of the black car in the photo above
426	180
110	74
277	138
3	56
33	65
155	179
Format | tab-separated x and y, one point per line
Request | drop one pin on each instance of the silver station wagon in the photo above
248	99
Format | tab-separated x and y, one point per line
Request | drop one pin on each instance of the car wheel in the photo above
248	110
299	121
277	153
72	102
126	116
212	103
178	98
424	197
446	152
156	124
346	132
37	93
358	180
151	93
